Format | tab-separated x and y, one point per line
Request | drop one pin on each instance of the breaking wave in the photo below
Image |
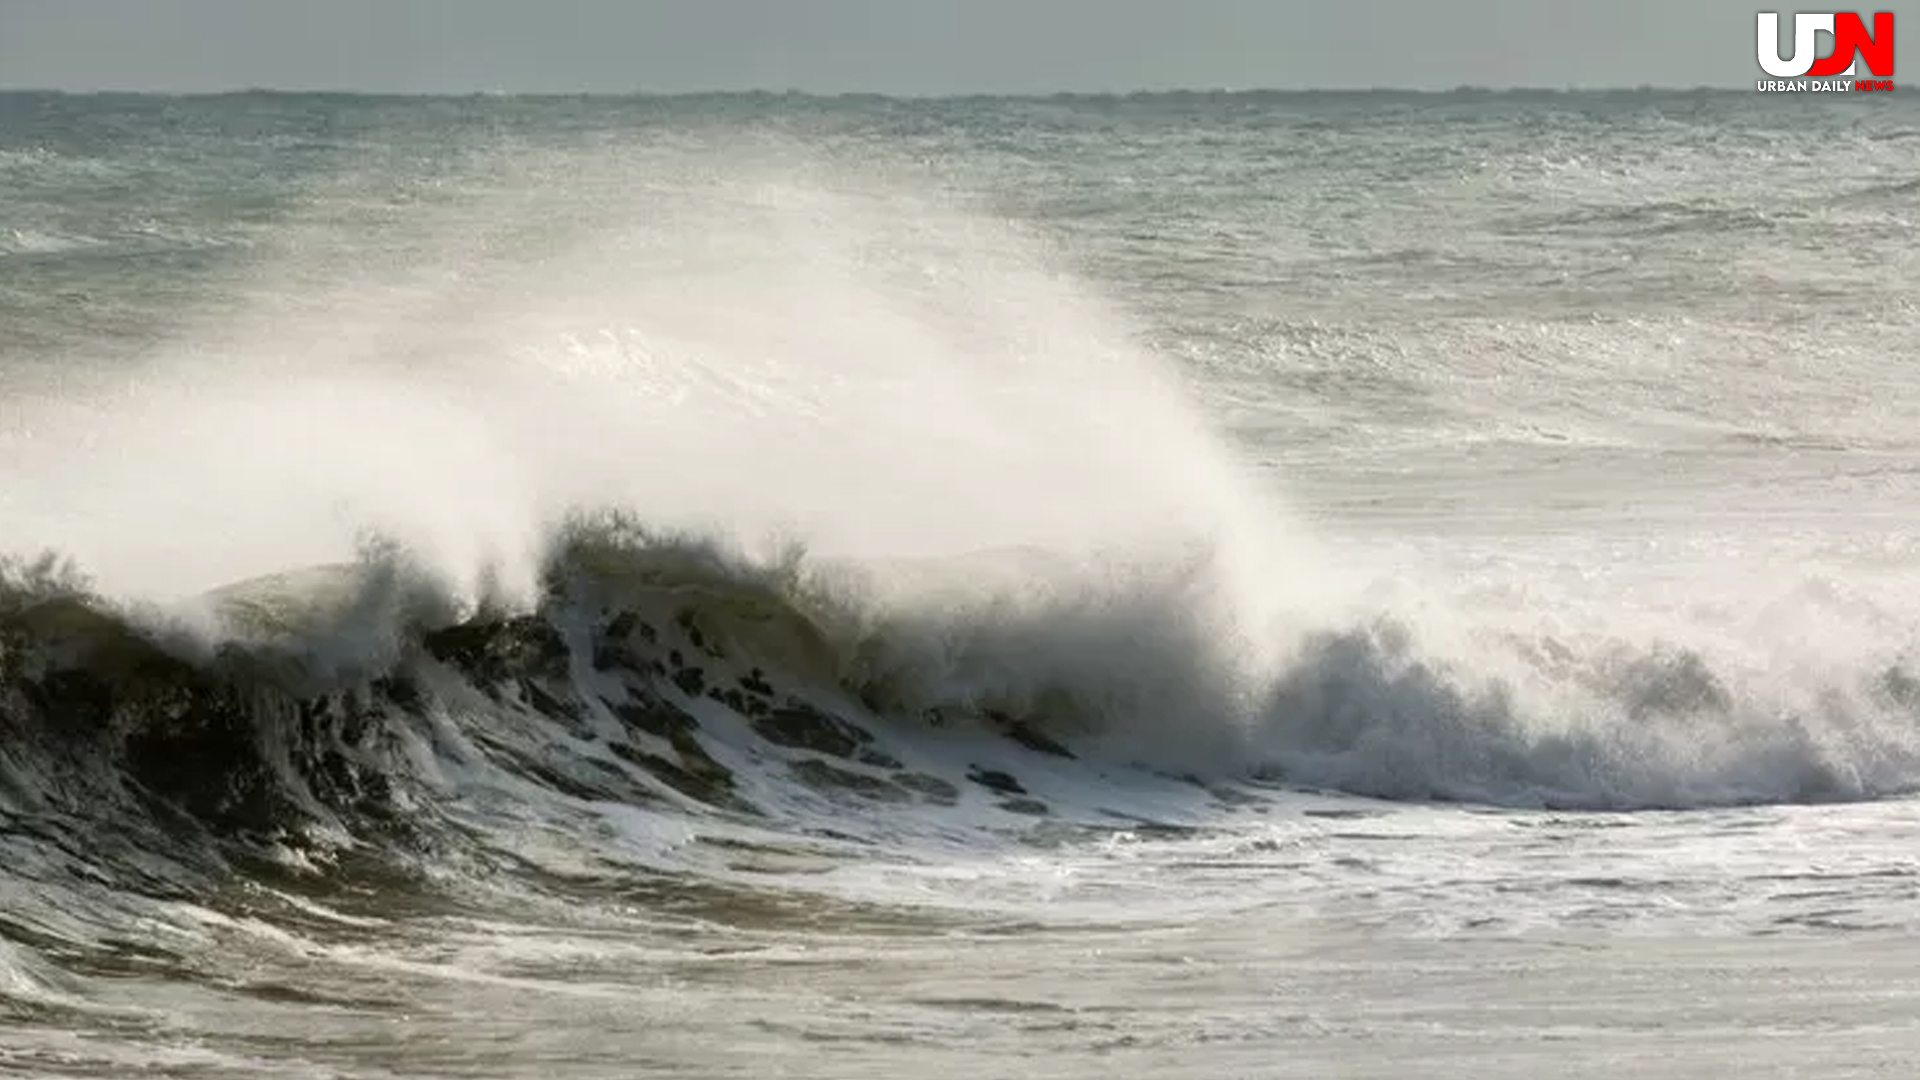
333	704
908	534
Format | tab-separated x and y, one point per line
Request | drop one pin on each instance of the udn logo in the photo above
1851	44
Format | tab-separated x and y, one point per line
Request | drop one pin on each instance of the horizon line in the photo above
1006	95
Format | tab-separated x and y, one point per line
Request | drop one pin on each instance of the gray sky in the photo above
889	46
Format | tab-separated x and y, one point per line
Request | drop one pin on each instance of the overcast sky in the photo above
888	46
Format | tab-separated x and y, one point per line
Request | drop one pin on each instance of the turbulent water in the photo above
1200	585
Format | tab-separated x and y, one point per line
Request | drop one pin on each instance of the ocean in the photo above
1184	585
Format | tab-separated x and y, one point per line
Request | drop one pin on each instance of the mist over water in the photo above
724	345
1059	514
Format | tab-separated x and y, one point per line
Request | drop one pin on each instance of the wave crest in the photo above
672	671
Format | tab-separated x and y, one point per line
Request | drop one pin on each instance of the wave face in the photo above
359	704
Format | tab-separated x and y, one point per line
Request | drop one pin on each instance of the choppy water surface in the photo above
1259	585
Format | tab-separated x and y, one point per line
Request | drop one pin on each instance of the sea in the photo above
1174	585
